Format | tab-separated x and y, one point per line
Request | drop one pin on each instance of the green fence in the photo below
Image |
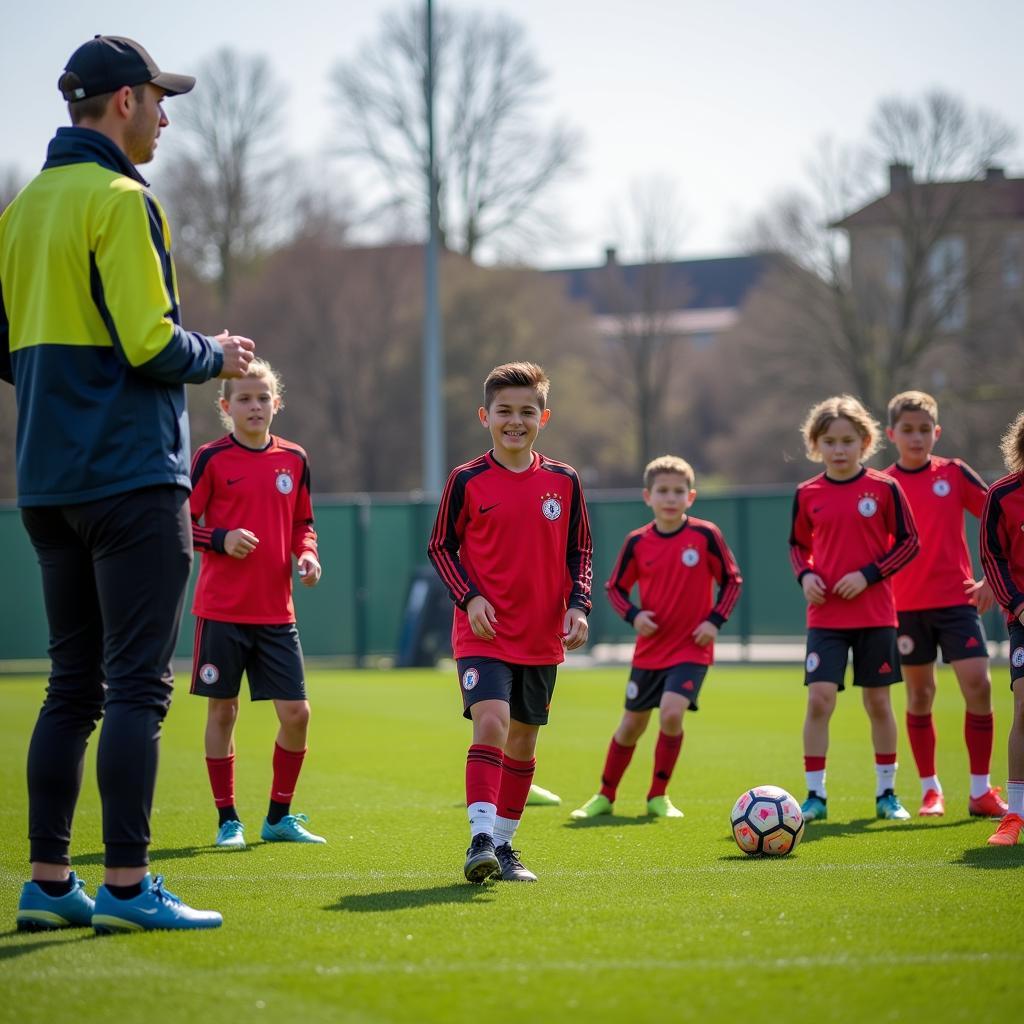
370	547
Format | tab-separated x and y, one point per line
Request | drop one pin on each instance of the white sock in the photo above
1015	796
505	830
931	782
481	818
885	778
980	785
816	783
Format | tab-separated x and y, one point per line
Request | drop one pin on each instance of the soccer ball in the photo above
766	819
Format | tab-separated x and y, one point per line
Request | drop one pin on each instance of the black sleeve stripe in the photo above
972	477
202	457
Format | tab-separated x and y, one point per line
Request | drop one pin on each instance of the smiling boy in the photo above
512	544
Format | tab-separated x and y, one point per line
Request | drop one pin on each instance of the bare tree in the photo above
897	297
643	302
494	161
220	184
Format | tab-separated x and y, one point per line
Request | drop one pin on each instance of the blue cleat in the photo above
290	829
814	808
38	912
154	908
888	806
231	835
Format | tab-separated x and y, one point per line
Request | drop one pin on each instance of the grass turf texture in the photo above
632	919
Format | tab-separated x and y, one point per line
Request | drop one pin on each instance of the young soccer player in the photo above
938	601
852	529
251	496
674	561
512	544
1002	558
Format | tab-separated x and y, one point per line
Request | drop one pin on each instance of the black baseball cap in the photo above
106	63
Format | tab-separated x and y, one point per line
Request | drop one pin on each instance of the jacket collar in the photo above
85	146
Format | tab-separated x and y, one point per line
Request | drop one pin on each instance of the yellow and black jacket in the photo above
90	331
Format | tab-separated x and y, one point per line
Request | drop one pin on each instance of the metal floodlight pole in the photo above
433	350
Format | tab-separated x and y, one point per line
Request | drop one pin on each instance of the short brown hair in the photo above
912	401
1012	445
259	369
92	108
669	464
840	407
517	375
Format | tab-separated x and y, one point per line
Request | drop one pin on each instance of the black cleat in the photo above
481	862
511	866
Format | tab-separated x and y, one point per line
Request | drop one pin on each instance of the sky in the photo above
726	100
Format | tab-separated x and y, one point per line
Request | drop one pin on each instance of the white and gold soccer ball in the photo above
767	820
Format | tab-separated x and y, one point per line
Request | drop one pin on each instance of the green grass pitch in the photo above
632	920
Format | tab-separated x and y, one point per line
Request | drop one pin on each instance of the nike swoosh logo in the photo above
487	508
235	481
142	910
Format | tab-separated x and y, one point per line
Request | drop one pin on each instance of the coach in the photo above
90	336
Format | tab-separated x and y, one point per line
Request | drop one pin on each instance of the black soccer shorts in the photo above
875	656
527	688
956	631
646	685
270	657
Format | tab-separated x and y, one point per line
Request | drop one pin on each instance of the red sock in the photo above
978	734
516	779
921	730
615	765
222	779
483	774
813	764
287	765
666	752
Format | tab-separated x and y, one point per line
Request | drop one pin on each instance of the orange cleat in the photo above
932	805
990	805
1008	831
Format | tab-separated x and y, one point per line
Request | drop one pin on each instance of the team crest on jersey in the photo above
941	487
632	690
813	661
905	644
284	482
867	506
551	506
1017	658
209	674
470	678
690	556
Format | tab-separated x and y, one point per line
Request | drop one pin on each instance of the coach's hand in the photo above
240	543
238	354
309	570
575	629
482	619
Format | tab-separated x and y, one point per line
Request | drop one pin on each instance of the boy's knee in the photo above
224	712
294	714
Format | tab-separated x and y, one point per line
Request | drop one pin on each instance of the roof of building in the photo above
992	197
720	283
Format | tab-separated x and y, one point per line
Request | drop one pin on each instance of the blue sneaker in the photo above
38	912
231	835
888	806
153	908
814	808
290	829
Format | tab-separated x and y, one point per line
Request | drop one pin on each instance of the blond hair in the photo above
669	464
259	369
1012	445
912	401
517	375
840	407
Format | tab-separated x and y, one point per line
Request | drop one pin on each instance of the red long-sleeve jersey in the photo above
675	573
1002	543
522	540
939	493
266	492
842	526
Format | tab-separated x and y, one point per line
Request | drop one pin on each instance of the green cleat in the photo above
888	806
662	807
540	797
290	829
231	835
814	808
593	808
